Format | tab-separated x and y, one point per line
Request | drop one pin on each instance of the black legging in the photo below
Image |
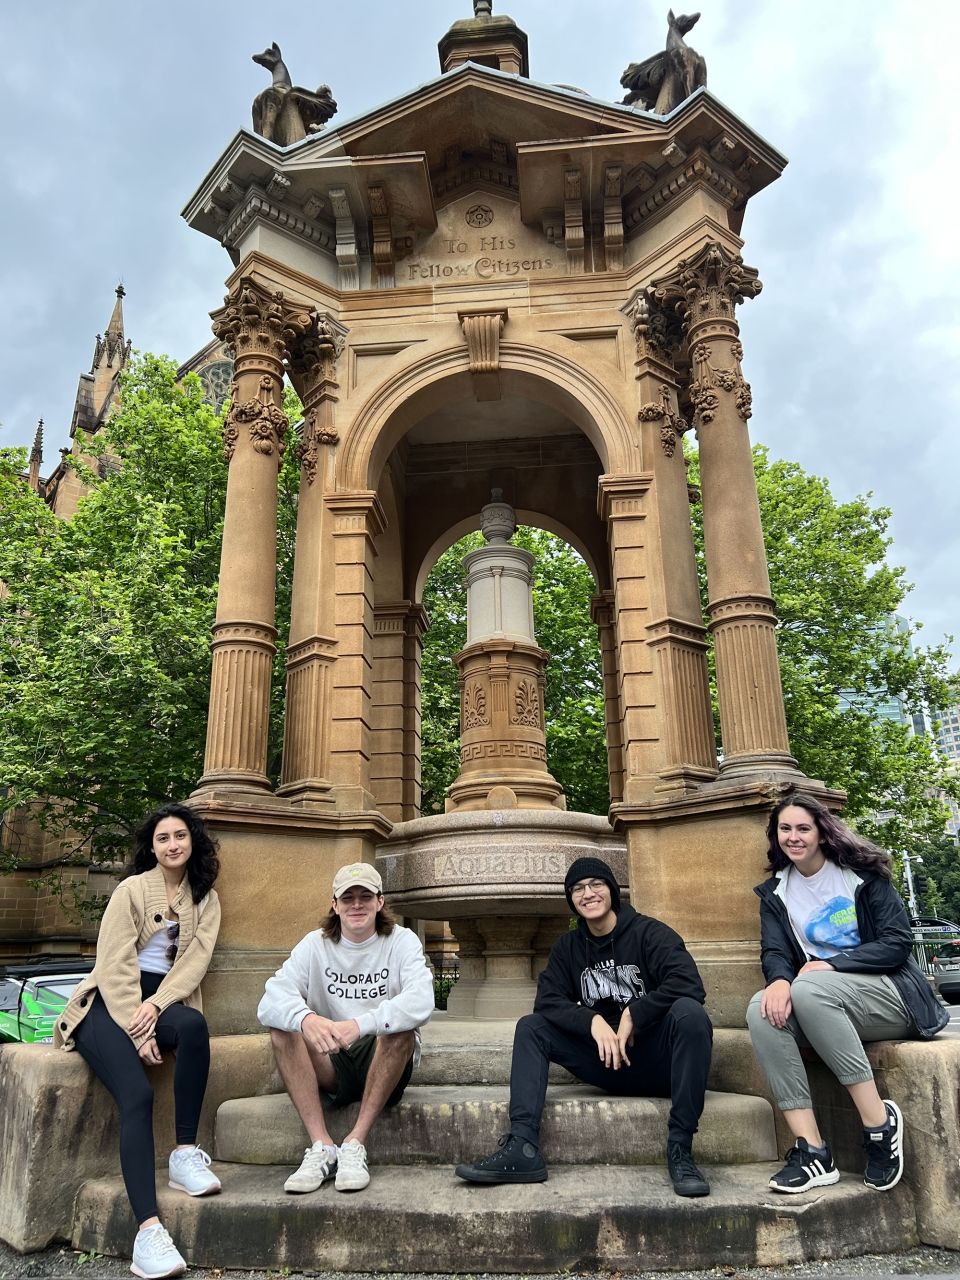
113	1057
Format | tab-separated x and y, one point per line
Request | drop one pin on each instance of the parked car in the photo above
946	973
32	995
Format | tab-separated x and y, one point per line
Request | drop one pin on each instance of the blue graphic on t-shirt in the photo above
834	924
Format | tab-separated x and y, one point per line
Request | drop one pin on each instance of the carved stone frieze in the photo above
709	381
265	421
253	319
672	425
475	713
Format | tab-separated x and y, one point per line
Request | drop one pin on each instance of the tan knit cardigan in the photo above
134	913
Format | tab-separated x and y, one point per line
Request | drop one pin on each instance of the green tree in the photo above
105	619
842	658
574	712
941	865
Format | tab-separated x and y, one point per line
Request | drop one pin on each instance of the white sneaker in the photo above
155	1254
189	1171
352	1172
318	1167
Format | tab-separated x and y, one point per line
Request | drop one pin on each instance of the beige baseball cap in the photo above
360	874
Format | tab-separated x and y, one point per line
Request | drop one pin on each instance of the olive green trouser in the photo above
835	1014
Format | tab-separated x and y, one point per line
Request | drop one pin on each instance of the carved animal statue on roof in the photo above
285	113
664	81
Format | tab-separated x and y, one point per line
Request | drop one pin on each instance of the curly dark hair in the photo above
385	923
203	866
837	841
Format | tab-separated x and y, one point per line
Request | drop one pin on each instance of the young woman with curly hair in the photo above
143	998
836	951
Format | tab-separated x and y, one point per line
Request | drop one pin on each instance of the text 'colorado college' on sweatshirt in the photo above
383	984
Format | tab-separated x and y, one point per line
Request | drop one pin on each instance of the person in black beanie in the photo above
620	1005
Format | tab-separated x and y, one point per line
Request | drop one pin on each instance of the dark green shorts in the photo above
352	1065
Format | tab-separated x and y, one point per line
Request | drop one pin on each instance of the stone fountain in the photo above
493	864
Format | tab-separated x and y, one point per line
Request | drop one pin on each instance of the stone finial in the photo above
483	8
37	450
498	521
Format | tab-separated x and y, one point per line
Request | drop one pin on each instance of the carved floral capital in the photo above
707	287
255	320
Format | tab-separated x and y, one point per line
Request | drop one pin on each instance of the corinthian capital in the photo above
254	319
707	287
313	359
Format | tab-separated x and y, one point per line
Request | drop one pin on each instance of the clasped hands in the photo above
323	1035
612	1045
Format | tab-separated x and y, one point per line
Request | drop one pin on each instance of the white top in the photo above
153	957
383	983
822	911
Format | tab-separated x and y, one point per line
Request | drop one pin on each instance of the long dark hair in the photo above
837	841
203	866
385	922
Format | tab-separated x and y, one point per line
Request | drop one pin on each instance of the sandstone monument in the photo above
492	283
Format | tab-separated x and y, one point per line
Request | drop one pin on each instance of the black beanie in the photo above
591	869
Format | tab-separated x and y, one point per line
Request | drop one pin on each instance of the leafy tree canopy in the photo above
105	619
843	659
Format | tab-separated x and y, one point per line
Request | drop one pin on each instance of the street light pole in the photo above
908	873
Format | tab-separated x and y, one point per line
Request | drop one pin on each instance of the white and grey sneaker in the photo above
318	1166
155	1255
352	1172
806	1167
189	1171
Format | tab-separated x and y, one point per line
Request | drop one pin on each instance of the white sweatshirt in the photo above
383	983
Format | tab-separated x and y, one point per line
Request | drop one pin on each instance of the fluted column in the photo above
311	650
395	763
257	326
706	290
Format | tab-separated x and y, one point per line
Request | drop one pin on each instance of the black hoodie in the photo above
641	963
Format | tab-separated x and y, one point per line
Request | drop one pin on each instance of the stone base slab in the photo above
584	1218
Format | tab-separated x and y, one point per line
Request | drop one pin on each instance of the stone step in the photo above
445	1124
587	1217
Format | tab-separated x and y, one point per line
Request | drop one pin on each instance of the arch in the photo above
432	381
471	523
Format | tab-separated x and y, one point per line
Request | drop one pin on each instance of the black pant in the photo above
671	1060
112	1057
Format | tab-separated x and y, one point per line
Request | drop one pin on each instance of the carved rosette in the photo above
672	425
709	380
265	420
526	701
254	320
475	706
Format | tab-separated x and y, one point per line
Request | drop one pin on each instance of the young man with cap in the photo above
620	1005
344	1013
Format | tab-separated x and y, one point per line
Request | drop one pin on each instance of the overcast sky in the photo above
114	111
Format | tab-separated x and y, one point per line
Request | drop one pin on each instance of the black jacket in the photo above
886	946
641	964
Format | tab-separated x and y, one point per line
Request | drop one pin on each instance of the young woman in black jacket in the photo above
836	951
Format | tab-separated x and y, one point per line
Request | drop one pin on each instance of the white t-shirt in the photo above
822	911
153	957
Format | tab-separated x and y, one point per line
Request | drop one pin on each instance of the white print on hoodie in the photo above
383	983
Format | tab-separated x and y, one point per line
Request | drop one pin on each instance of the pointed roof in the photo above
112	344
